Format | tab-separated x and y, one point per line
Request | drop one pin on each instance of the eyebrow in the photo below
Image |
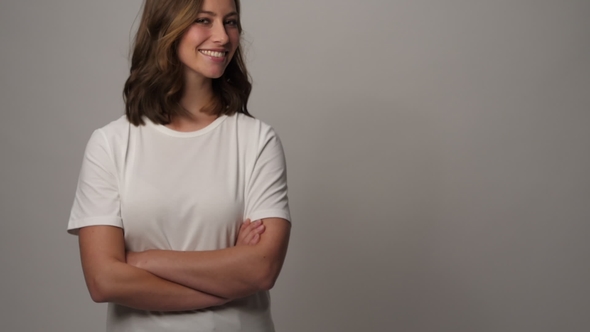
213	14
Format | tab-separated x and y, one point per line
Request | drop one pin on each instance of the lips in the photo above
214	54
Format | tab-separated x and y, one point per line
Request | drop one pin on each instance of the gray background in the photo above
437	151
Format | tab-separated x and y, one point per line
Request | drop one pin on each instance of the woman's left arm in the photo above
233	272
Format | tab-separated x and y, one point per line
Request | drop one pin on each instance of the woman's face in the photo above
210	43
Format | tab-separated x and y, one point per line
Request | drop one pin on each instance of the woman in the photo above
164	190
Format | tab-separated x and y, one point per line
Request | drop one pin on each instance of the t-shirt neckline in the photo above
171	132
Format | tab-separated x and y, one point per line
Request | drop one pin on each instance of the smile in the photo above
214	54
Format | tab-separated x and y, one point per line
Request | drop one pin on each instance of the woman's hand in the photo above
250	233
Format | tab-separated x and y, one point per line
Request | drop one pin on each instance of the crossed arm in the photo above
162	280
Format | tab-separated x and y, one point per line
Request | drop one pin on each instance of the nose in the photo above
219	35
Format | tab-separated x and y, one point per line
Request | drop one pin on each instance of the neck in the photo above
196	95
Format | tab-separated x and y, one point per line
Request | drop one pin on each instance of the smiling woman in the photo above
209	44
167	193
174	48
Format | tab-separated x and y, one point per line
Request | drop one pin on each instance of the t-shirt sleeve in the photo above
266	190
97	199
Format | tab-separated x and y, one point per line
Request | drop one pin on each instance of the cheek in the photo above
184	54
234	36
195	36
185	49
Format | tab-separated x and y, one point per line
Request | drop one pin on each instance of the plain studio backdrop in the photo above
438	158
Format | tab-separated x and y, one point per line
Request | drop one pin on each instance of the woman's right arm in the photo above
110	279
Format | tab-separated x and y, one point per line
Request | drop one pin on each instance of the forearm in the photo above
228	273
110	278
136	288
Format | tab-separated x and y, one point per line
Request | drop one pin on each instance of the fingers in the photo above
245	234
257	231
250	232
255	239
253	233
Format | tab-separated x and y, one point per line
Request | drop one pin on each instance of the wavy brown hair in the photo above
155	84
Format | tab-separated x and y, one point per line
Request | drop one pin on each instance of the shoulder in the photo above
259	137
116	129
110	140
116	133
253	127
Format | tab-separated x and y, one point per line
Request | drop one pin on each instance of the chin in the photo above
215	75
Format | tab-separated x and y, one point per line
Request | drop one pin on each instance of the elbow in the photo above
266	284
98	289
97	295
267	279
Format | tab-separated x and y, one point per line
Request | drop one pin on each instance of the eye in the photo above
202	21
232	23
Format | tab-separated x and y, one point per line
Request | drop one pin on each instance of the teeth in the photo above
213	53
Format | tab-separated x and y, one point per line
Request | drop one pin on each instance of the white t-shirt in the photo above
183	191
